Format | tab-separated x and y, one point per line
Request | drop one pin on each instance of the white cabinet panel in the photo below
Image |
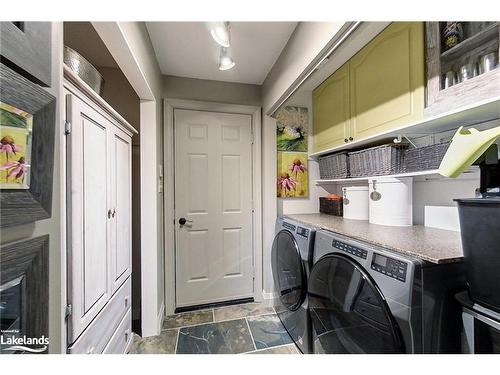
121	243
88	174
99	195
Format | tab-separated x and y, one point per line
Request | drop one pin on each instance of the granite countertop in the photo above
433	245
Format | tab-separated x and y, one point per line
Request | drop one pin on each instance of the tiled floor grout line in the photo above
251	334
177	341
274	347
220	321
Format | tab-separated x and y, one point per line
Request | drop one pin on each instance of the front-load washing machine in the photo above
367	299
291	259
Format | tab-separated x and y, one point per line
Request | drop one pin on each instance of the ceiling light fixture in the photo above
226	62
220	33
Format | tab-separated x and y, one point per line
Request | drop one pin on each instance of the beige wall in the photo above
121	95
212	91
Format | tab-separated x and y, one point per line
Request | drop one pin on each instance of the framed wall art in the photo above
27	131
293	175
24	286
291	129
26	48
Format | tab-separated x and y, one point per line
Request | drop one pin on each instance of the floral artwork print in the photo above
291	129
15	147
293	176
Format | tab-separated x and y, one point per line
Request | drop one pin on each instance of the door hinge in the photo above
69	310
67	127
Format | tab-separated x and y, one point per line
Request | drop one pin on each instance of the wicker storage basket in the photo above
425	158
377	161
330	206
334	166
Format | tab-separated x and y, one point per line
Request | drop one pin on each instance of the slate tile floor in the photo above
247	328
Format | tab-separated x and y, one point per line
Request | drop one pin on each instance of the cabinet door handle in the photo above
346	140
127	333
351	138
110	213
114	212
126	301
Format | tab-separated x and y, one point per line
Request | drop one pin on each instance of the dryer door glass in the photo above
348	312
288	271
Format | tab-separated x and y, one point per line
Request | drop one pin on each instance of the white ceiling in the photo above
186	49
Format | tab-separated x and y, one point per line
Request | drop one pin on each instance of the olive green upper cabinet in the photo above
387	80
331	112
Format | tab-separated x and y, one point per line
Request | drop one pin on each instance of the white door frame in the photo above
169	222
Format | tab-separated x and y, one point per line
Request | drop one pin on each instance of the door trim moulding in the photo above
168	197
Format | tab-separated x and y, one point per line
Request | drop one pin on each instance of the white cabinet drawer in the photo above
98	334
122	336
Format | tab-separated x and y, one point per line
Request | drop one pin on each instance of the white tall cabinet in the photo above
99	197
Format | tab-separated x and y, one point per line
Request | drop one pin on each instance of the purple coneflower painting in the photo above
8	146
286	183
18	169
297	167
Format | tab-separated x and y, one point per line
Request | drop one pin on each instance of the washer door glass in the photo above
288	271
348	312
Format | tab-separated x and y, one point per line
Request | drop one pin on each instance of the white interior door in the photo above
213	192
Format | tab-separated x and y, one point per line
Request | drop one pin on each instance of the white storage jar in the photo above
391	201
355	202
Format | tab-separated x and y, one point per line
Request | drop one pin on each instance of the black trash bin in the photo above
480	230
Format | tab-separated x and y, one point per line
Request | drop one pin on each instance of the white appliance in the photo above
391	201
355	202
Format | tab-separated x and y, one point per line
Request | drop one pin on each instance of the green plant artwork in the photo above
291	129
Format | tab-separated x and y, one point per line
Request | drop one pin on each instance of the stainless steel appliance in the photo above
367	299
291	259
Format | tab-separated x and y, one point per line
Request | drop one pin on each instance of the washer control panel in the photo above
303	232
353	250
389	266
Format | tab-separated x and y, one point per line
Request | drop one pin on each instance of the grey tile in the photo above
267	331
188	319
241	311
285	349
164	343
229	337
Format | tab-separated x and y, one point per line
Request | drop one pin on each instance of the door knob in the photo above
184	221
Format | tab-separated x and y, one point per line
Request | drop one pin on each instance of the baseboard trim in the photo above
269	295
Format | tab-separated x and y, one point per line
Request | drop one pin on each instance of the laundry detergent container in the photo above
390	201
355	200
479	228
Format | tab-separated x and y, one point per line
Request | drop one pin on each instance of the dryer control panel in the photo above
389	266
303	232
353	250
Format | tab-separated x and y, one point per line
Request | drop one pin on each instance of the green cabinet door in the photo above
331	112
387	80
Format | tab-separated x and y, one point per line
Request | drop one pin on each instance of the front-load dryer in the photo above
291	259
367	299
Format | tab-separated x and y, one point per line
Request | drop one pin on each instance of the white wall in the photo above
54	226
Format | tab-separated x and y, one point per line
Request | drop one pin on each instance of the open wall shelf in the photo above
434	172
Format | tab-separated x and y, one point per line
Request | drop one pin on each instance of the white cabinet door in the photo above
121	225
213	189
88	197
